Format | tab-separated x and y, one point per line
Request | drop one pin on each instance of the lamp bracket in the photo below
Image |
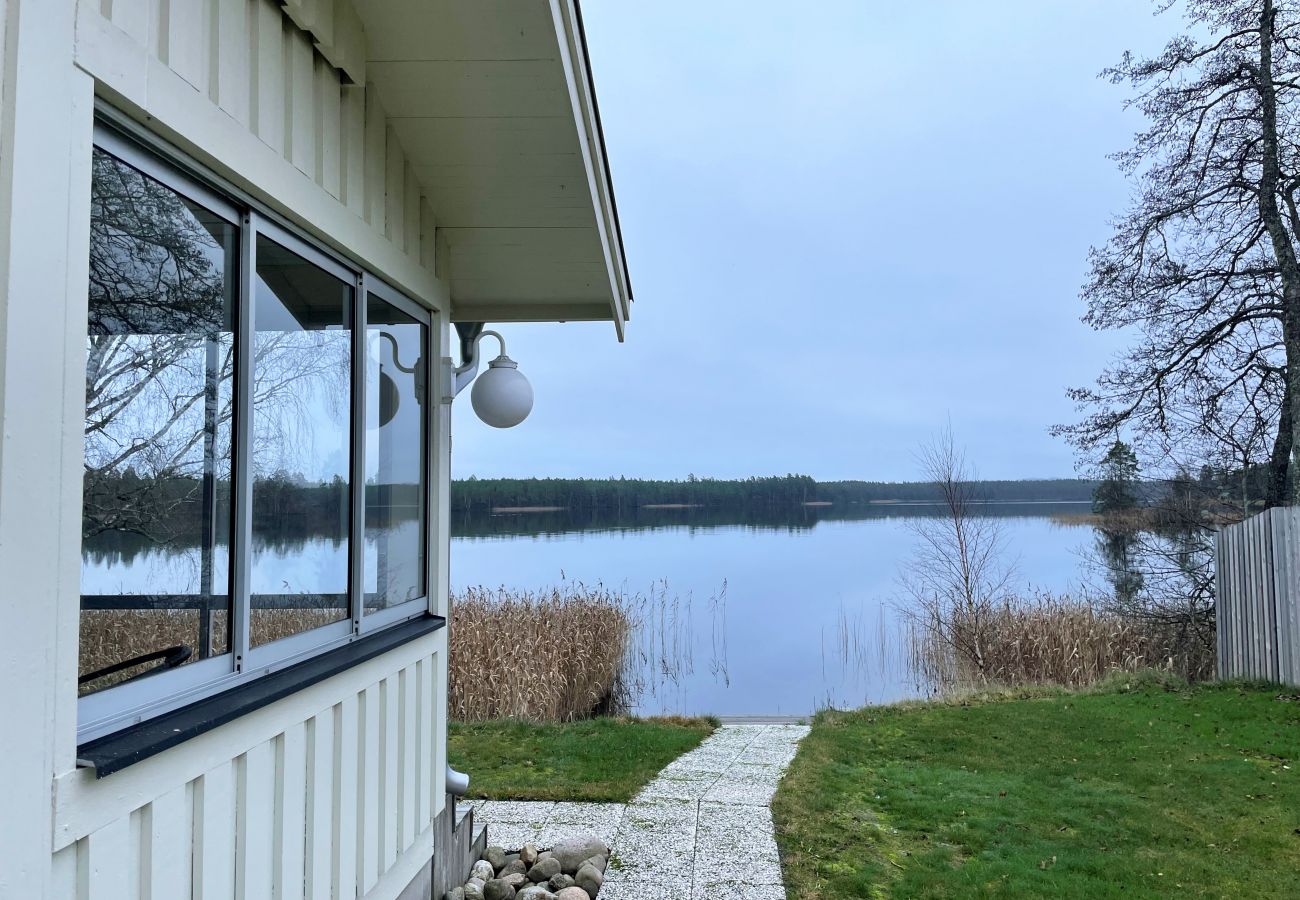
462	375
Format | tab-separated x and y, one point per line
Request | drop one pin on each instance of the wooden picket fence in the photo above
1257	591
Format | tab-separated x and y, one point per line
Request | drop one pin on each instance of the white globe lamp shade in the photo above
502	396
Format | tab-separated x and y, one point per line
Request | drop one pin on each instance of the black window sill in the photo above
116	751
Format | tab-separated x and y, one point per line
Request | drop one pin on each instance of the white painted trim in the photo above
43	130
573	60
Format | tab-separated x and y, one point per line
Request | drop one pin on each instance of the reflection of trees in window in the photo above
159	403
160	365
160	354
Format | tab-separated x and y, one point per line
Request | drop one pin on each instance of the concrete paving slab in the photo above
701	829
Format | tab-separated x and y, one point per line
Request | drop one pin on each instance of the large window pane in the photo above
302	415
155	575
396	425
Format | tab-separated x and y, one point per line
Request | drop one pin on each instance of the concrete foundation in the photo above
455	848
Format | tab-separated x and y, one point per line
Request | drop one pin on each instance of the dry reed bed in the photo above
1057	640
555	655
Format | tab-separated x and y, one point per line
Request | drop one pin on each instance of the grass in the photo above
600	760
1143	787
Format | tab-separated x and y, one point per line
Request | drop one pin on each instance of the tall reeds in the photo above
571	651
1060	640
548	656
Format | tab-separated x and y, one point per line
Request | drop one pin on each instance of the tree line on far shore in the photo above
772	492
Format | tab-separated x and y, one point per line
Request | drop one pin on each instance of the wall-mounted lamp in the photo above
502	396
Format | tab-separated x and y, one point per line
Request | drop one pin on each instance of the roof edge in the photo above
577	63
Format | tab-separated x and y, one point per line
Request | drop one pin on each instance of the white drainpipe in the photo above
457	782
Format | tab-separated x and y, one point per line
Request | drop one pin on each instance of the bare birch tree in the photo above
959	573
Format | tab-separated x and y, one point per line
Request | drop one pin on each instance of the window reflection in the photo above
159	407
396	461
302	414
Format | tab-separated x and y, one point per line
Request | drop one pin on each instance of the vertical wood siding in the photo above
1257	591
322	810
292	73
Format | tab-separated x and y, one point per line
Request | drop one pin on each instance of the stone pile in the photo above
574	869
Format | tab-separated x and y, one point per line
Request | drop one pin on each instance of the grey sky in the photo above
846	222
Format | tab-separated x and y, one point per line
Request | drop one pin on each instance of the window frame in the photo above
121	706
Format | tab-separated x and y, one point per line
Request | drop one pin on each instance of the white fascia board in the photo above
577	74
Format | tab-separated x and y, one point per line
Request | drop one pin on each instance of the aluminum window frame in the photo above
122	706
416	606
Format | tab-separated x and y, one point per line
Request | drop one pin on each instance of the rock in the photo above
496	856
600	861
512	857
515	879
589	879
545	854
483	870
513	867
454	894
573	852
528	855
496	889
561	881
534	892
473	889
543	870
573	893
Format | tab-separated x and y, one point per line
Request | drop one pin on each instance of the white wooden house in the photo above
234	238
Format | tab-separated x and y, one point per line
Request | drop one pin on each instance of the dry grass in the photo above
1058	640
546	657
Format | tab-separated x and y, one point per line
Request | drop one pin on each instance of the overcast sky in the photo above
846	223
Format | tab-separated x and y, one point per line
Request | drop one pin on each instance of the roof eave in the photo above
572	41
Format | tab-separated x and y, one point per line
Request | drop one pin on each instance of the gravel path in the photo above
702	828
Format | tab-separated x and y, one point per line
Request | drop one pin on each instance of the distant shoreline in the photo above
819	504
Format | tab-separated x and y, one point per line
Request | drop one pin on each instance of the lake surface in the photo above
766	613
772	604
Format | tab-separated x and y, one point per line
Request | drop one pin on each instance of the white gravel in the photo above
704	821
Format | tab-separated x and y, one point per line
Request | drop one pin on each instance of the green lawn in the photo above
606	760
1144	790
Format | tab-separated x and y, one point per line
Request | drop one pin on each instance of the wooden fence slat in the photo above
1257	596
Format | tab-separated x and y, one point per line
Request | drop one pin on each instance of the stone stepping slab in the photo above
701	829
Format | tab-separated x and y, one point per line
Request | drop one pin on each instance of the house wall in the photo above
340	782
247	90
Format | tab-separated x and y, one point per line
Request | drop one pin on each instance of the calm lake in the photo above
756	613
770	603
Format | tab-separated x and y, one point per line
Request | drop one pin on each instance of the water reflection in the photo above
555	521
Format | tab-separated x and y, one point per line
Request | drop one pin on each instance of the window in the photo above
396	455
256	453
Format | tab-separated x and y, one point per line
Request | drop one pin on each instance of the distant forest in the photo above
781	491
